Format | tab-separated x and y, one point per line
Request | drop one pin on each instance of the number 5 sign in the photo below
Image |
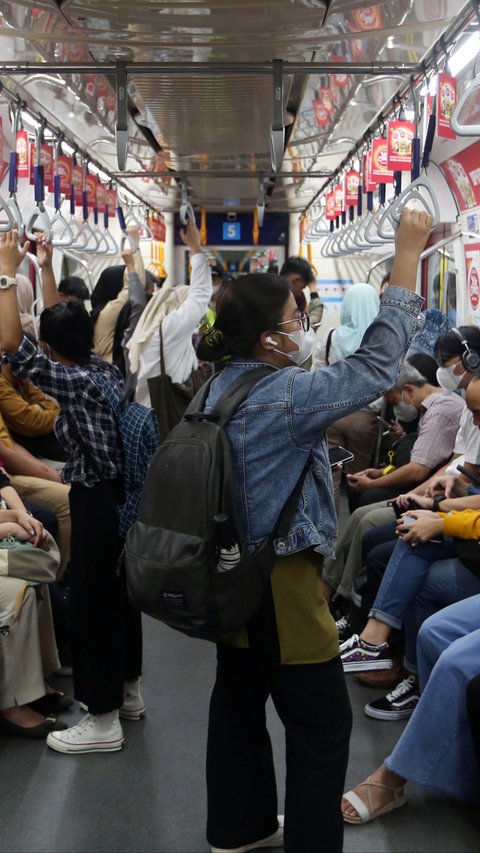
231	231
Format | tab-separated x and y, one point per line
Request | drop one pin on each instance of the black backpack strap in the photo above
231	399
328	346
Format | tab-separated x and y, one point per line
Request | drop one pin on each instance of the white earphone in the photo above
269	340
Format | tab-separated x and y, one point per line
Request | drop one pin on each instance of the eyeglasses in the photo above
304	321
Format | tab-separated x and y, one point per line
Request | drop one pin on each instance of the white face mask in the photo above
404	412
448	379
305	342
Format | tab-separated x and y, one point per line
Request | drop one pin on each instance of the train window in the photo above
442	283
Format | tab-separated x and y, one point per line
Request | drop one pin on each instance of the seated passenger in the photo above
436	324
73	289
30	416
422	576
436	749
440	413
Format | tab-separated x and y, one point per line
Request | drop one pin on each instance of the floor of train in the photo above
151	795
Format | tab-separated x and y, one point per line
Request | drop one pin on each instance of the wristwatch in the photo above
436	501
7	281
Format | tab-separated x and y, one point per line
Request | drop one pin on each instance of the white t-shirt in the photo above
468	439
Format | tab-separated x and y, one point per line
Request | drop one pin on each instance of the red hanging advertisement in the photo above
369	186
400	135
446	103
352	181
339	80
462	172
330	206
320	113
22	149
369	18
327	100
101	197
338	196
46	157
77	181
380	171
92	183
64	169
111	199
472	270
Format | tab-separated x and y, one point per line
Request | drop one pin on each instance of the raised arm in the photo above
11	256
51	295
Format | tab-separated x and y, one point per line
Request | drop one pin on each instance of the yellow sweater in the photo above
465	524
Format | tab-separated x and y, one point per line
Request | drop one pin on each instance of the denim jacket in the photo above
284	419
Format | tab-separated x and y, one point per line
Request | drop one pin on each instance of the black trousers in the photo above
312	703
106	633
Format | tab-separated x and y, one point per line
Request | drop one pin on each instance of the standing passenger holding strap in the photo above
106	631
289	650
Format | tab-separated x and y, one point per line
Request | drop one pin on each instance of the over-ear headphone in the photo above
470	358
270	340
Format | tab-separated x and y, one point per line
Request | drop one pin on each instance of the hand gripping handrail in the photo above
126	237
186	210
420	191
65	236
39	214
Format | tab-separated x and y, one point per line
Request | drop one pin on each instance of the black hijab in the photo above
107	288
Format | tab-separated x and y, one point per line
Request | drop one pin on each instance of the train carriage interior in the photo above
282	128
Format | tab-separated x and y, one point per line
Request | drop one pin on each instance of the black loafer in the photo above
51	703
50	724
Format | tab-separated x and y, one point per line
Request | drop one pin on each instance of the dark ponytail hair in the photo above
68	329
248	306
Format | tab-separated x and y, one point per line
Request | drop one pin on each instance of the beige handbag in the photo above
23	560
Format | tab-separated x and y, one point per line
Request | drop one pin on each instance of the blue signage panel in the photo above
231	231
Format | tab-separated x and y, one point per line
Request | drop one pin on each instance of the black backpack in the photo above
186	563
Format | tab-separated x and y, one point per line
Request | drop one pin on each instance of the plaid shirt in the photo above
86	425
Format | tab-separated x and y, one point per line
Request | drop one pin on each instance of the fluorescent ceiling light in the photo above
464	53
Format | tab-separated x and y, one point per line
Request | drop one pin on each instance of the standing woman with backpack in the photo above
106	636
289	649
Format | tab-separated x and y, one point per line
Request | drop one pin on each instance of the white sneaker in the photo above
100	733
133	707
275	840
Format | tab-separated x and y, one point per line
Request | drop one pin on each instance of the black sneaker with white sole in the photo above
399	704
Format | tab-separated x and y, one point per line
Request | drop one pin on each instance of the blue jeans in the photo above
436	749
418	583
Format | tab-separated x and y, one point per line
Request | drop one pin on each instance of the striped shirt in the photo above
439	423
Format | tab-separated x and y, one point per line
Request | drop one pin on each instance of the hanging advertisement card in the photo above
446	103
380	171
112	202
101	197
64	169
92	184
369	185
46	157
327	100
22	149
338	196
77	181
369	18
472	270
400	135
352	180
320	113
330	206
